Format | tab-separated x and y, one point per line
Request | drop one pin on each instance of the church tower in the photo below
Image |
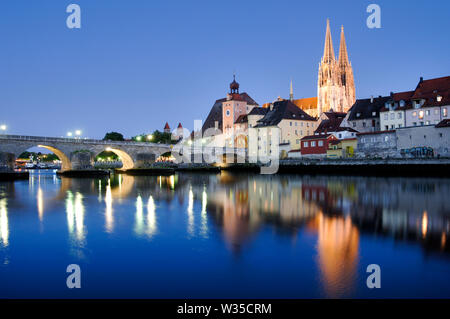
345	68
335	87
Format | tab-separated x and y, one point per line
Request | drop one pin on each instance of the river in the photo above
224	236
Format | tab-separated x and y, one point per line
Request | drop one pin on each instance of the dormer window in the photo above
402	103
417	103
439	98
374	113
358	114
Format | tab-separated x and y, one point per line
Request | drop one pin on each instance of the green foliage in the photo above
113	136
155	137
107	156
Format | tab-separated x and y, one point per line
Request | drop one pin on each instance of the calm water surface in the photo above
224	235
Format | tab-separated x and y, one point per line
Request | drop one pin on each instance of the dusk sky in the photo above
134	65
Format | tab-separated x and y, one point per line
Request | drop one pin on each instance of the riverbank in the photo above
13	176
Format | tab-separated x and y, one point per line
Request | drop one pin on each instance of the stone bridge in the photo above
78	154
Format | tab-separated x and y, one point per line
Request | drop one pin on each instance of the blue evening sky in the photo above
136	64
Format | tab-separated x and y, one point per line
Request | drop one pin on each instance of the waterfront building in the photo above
364	116
225	114
291	122
392	114
343	148
430	102
330	123
316	145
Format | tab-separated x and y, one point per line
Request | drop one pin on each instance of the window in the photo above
414	114
296	133
439	98
305	144
320	143
228	112
436	111
358	114
427	123
392	116
364	124
313	143
374	113
354	124
385	116
340	135
415	123
399	115
420	114
444	111
427	112
297	141
290	123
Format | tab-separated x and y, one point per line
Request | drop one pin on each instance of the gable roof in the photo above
367	108
331	124
282	110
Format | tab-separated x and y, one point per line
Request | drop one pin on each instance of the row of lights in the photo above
77	133
149	138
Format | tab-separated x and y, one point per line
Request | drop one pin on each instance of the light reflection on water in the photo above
247	235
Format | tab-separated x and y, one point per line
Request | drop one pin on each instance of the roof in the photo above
348	129
443	123
306	103
436	86
366	107
241	119
167	126
396	98
331	124
259	111
179	125
316	137
282	110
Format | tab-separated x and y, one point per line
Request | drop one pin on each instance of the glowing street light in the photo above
138	138
69	134
3	128
77	132
149	137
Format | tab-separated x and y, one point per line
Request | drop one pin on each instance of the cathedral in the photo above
335	87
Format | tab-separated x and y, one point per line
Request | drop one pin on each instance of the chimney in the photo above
421	79
371	99
392	94
216	125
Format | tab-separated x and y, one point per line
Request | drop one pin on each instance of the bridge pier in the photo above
7	162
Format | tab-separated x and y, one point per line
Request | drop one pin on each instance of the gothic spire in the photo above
343	55
291	92
328	52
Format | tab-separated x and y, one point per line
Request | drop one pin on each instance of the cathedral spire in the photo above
343	55
328	52
291	92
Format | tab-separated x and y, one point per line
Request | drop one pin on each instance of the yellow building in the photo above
342	148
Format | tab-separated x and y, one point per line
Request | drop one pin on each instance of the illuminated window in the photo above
414	114
444	111
420	114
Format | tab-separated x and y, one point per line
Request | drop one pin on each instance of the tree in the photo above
113	136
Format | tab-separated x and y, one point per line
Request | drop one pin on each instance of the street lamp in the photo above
78	133
3	128
138	138
69	134
149	137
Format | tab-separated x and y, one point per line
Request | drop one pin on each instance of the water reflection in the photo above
4	227
336	213
75	222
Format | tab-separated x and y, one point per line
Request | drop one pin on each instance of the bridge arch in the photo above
127	160
66	164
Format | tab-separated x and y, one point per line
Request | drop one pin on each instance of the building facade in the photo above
316	145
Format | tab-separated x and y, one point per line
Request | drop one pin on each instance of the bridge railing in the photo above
43	139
